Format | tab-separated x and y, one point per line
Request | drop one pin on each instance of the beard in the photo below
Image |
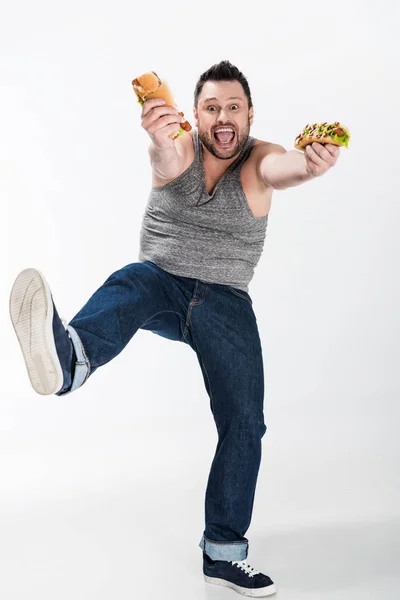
220	152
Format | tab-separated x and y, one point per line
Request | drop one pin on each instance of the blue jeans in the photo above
219	323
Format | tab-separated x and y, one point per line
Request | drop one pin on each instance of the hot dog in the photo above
323	133
149	85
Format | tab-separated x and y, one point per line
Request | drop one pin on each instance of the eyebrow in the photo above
230	98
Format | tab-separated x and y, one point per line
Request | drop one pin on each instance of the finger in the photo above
152	103
163	122
321	151
313	156
156	113
332	149
171	129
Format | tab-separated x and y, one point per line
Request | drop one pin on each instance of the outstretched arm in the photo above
281	169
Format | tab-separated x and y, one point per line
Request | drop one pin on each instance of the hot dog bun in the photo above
149	85
323	133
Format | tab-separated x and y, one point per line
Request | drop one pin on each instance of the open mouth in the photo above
225	136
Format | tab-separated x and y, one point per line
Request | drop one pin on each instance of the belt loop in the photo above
202	290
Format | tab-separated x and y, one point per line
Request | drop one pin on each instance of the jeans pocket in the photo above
241	293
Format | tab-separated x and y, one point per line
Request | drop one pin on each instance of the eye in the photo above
212	106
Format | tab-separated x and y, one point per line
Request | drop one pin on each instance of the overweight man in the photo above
201	238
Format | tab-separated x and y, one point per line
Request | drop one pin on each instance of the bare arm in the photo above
166	163
281	169
160	120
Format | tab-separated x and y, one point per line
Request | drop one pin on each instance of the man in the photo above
202	236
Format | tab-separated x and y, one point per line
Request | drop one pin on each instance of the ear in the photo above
196	116
251	115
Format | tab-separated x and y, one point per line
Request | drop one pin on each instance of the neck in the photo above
216	164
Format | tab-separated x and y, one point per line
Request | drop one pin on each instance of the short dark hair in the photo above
223	71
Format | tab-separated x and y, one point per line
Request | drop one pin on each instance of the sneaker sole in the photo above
31	311
253	593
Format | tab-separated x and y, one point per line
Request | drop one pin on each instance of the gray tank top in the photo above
211	237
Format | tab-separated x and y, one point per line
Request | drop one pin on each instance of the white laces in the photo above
64	322
242	564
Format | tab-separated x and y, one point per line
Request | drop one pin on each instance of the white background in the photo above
102	491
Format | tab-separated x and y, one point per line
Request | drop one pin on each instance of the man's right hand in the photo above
160	120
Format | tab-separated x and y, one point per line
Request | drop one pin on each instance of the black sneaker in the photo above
239	576
46	346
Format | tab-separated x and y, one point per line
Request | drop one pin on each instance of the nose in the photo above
222	116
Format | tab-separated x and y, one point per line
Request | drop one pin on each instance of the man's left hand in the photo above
320	157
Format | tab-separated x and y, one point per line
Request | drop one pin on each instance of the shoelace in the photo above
64	322
242	564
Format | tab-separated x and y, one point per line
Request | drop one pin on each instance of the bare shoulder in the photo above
261	149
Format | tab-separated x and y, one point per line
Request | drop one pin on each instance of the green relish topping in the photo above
328	130
343	139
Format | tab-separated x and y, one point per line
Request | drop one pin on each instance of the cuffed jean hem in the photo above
224	550
82	365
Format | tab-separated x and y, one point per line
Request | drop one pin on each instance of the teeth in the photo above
224	129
